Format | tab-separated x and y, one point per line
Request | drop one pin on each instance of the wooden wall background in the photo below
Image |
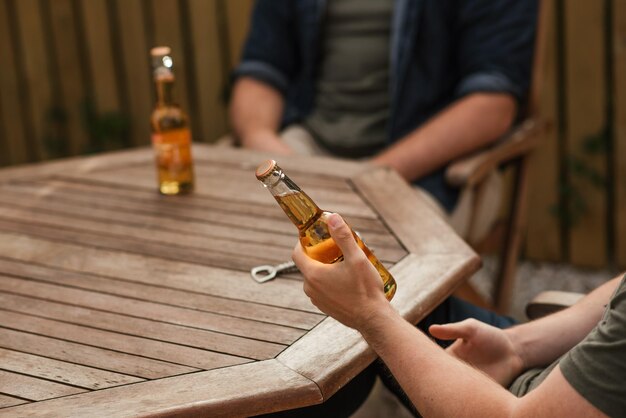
577	208
75	78
76	74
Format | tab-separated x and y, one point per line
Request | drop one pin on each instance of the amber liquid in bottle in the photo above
171	136
311	223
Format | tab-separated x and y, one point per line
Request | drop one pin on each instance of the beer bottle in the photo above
171	136
311	222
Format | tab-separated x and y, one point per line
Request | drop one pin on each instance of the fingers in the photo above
343	236
298	256
463	330
304	263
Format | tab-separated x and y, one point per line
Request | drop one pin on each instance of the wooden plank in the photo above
101	231
77	165
100	57
156	220
94	202
235	216
238	175
132	246
190	208
543	231
136	63
251	192
95	206
71	73
10	95
90	356
585	118
235	308
243	174
246	160
95	189
209	78
32	388
226	328
37	71
330	362
241	391
249	160
332	354
417	226
423	293
238	13
6	401
75	192
61	371
619	128
154	349
155	271
215	246
146	328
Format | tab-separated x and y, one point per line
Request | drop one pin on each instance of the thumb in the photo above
453	331
343	236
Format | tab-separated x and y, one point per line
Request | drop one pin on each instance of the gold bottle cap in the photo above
265	168
162	63
160	51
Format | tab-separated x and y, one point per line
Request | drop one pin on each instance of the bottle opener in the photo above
264	273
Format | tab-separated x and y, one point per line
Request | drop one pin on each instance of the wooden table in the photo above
117	301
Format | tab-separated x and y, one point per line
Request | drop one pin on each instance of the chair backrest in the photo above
514	149
545	19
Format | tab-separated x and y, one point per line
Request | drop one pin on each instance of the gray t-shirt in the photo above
352	89
596	367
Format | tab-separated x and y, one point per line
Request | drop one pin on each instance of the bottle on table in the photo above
171	136
311	222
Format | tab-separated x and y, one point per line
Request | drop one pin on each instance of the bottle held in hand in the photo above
311	222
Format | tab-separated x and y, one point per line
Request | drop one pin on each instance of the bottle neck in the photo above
165	91
296	204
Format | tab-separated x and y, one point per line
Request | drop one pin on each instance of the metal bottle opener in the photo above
265	273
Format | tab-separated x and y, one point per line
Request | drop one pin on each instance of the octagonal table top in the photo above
116	300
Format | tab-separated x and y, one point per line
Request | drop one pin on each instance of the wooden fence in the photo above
75	77
577	209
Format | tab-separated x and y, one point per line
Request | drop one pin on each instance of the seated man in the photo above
407	84
569	364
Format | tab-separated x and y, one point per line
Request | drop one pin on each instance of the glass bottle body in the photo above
313	229
171	138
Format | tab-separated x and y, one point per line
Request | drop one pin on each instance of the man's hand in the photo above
256	110
447	135
351	291
485	347
266	140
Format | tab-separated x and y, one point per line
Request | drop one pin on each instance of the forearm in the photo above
438	384
255	113
469	124
543	341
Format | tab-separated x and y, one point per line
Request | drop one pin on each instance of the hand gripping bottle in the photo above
311	222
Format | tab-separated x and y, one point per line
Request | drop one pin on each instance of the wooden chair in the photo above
514	151
551	301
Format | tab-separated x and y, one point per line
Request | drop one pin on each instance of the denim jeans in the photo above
348	399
